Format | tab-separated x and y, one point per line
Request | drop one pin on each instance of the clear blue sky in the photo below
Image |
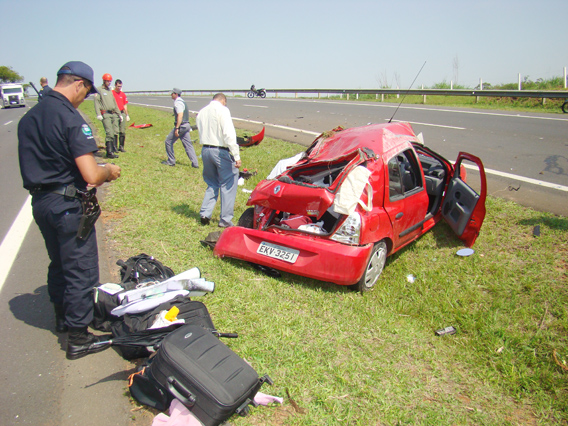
230	44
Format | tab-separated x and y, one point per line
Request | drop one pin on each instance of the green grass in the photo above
348	359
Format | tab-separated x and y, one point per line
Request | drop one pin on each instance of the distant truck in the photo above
12	95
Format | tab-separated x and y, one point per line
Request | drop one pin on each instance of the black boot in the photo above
81	343
110	154
60	326
115	145
121	140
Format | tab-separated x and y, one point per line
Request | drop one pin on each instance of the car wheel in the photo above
565	107
374	268
247	218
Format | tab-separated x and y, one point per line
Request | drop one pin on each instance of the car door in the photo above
463	207
407	201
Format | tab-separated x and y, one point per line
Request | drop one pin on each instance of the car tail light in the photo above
350	231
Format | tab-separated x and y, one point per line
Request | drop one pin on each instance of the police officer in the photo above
44	89
107	111
56	152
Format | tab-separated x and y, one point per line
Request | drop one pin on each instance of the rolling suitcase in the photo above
211	380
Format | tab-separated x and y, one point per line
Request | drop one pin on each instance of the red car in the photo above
355	197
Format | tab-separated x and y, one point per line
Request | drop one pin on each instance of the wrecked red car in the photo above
355	197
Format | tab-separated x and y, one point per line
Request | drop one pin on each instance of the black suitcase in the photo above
211	380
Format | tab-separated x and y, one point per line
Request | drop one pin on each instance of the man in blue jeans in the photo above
221	160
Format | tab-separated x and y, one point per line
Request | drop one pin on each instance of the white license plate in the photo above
278	252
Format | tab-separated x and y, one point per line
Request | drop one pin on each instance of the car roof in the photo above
381	138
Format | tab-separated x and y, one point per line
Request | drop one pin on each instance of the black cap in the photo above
80	69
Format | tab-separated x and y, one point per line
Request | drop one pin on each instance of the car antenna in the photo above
404	97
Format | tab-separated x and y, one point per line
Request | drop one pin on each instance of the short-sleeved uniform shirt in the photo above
51	136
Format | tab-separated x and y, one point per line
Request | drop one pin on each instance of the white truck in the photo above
12	95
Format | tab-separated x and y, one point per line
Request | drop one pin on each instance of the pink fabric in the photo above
264	399
179	416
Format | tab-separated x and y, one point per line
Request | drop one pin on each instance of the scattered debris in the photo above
293	403
140	126
445	331
410	278
465	252
536	231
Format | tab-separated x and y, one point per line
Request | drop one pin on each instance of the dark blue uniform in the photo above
51	135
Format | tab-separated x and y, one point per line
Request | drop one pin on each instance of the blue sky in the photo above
224	44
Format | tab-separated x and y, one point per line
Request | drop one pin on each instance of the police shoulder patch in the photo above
87	130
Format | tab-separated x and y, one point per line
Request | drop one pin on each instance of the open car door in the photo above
463	207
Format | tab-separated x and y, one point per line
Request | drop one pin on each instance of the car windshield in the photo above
12	90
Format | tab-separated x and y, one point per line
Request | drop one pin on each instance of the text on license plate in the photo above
278	252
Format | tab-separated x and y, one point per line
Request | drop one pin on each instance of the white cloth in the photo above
284	164
216	128
351	190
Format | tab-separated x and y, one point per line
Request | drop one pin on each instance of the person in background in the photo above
56	152
181	131
221	160
44	89
107	111
122	103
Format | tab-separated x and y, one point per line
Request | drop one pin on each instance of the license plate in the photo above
278	252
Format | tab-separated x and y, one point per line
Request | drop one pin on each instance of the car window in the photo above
404	174
395	184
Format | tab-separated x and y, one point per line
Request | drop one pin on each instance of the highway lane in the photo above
39	386
526	154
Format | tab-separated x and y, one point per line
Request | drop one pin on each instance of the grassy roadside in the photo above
374	359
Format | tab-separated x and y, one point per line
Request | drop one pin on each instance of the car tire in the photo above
565	107
247	218
374	268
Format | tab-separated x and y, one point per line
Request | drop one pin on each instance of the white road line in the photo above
255	106
5	124
432	125
384	105
522	179
14	238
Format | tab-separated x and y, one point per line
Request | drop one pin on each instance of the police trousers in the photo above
74	267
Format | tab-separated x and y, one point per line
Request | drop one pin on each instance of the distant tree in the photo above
8	75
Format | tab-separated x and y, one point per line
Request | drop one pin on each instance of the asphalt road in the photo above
525	154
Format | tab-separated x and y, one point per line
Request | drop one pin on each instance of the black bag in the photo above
203	373
143	268
192	311
136	270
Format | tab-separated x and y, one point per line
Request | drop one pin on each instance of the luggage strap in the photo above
131	377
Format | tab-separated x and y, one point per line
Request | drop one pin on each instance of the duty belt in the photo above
69	191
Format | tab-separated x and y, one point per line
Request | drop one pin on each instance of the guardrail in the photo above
544	94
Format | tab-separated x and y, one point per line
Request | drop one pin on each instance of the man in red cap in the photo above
107	111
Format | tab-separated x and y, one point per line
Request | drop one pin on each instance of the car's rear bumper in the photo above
319	258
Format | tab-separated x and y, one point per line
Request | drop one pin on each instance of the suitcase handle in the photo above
180	392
